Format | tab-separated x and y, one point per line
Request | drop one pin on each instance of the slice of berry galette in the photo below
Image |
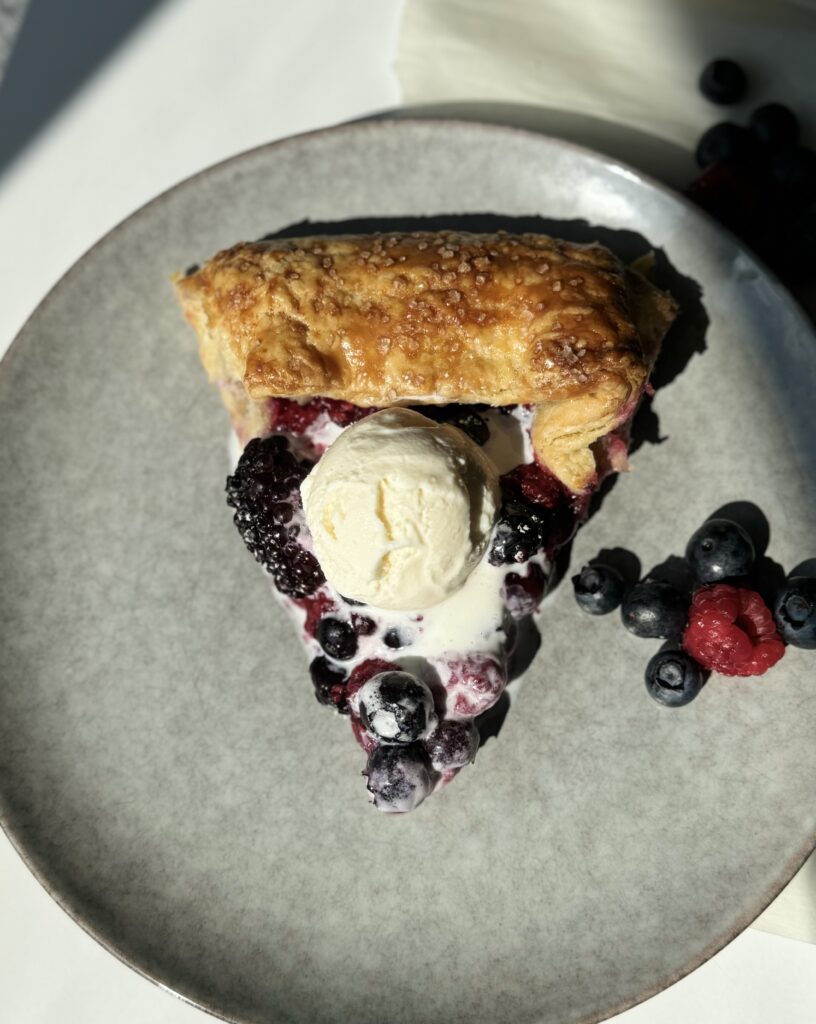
423	419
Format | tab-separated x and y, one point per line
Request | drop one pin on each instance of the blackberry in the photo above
264	491
518	535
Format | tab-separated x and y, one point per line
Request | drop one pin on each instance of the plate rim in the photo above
382	122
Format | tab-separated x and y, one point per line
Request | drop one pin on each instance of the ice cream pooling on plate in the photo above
400	509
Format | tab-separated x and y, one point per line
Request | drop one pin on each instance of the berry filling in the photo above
427	703
732	631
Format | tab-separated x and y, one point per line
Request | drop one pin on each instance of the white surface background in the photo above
199	81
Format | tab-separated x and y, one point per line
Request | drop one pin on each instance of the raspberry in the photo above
365	670
316	607
293	417
365	739
288	416
344	413
264	491
363	625
731	631
475	684
534	483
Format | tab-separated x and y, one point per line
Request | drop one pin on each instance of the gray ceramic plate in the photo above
164	767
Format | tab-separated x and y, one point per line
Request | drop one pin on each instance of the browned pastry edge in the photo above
433	317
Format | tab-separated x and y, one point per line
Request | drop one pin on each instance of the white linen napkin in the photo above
630	61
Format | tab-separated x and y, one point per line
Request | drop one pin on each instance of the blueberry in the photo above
598	589
329	684
399	778
794	171
723	81
720	550
518	534
396	707
774	126
466	417
337	638
673	678
395	640
724	141
795	611
452	744
653	608
472	424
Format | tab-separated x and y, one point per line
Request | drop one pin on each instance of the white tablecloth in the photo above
198	81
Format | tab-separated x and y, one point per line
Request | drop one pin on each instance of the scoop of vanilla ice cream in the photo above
400	509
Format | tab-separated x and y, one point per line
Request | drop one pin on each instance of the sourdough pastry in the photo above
433	318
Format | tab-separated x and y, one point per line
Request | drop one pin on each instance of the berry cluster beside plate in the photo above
758	179
723	626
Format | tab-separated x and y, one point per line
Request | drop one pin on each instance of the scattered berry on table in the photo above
724	142
720	550
453	744
795	611
794	171
774	126
732	631
723	81
264	491
654	608
396	707
673	678
399	778
337	638
598	589
329	684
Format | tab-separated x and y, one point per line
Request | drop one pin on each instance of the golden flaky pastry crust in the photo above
431	317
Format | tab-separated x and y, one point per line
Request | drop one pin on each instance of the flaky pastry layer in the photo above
431	317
